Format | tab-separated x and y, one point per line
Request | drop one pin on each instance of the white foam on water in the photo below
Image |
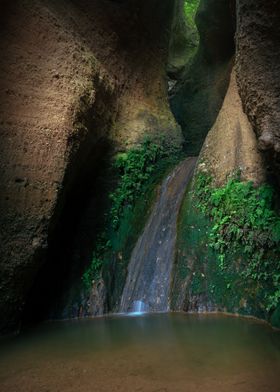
139	307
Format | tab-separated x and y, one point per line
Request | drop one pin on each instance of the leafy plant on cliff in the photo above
244	223
190	8
93	272
135	167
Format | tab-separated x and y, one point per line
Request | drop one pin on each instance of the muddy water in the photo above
149	273
151	353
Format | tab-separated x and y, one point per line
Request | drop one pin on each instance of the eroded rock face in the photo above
231	144
50	81
230	147
258	69
196	101
69	70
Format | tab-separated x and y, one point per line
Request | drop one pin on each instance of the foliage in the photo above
190	8
93	272
134	167
138	171
197	268
244	223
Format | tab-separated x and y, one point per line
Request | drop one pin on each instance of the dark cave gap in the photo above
72	241
200	87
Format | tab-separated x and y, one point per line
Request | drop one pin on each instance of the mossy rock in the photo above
227	250
275	318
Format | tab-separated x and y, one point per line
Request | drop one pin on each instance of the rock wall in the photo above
74	76
229	206
198	97
258	69
231	145
83	79
215	271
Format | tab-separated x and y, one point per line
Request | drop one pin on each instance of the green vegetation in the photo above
190	8
229	248
93	272
244	222
135	167
138	171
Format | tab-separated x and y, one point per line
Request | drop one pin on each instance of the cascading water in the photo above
148	280
138	307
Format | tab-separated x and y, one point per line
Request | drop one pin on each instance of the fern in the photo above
244	222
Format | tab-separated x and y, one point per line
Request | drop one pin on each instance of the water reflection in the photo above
169	352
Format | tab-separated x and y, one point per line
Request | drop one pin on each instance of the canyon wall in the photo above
199	94
77	78
228	237
258	70
83	80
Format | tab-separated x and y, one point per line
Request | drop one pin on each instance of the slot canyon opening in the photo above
197	87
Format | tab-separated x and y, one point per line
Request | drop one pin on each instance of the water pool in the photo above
154	353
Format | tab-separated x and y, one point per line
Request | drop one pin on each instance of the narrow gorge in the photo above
139	170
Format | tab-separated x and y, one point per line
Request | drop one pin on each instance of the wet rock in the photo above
149	272
96	305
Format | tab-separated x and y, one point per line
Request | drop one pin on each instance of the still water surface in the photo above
151	353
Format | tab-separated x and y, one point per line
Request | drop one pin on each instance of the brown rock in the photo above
67	69
258	69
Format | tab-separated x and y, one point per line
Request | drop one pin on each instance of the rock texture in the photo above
69	71
82	78
258	69
150	267
231	145
47	88
197	99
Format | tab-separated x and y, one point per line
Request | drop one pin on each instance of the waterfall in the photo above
148	279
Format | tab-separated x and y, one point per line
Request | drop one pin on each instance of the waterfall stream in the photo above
148	280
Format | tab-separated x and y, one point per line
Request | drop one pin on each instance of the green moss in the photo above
229	246
135	168
138	171
190	8
275	318
243	219
197	266
93	271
